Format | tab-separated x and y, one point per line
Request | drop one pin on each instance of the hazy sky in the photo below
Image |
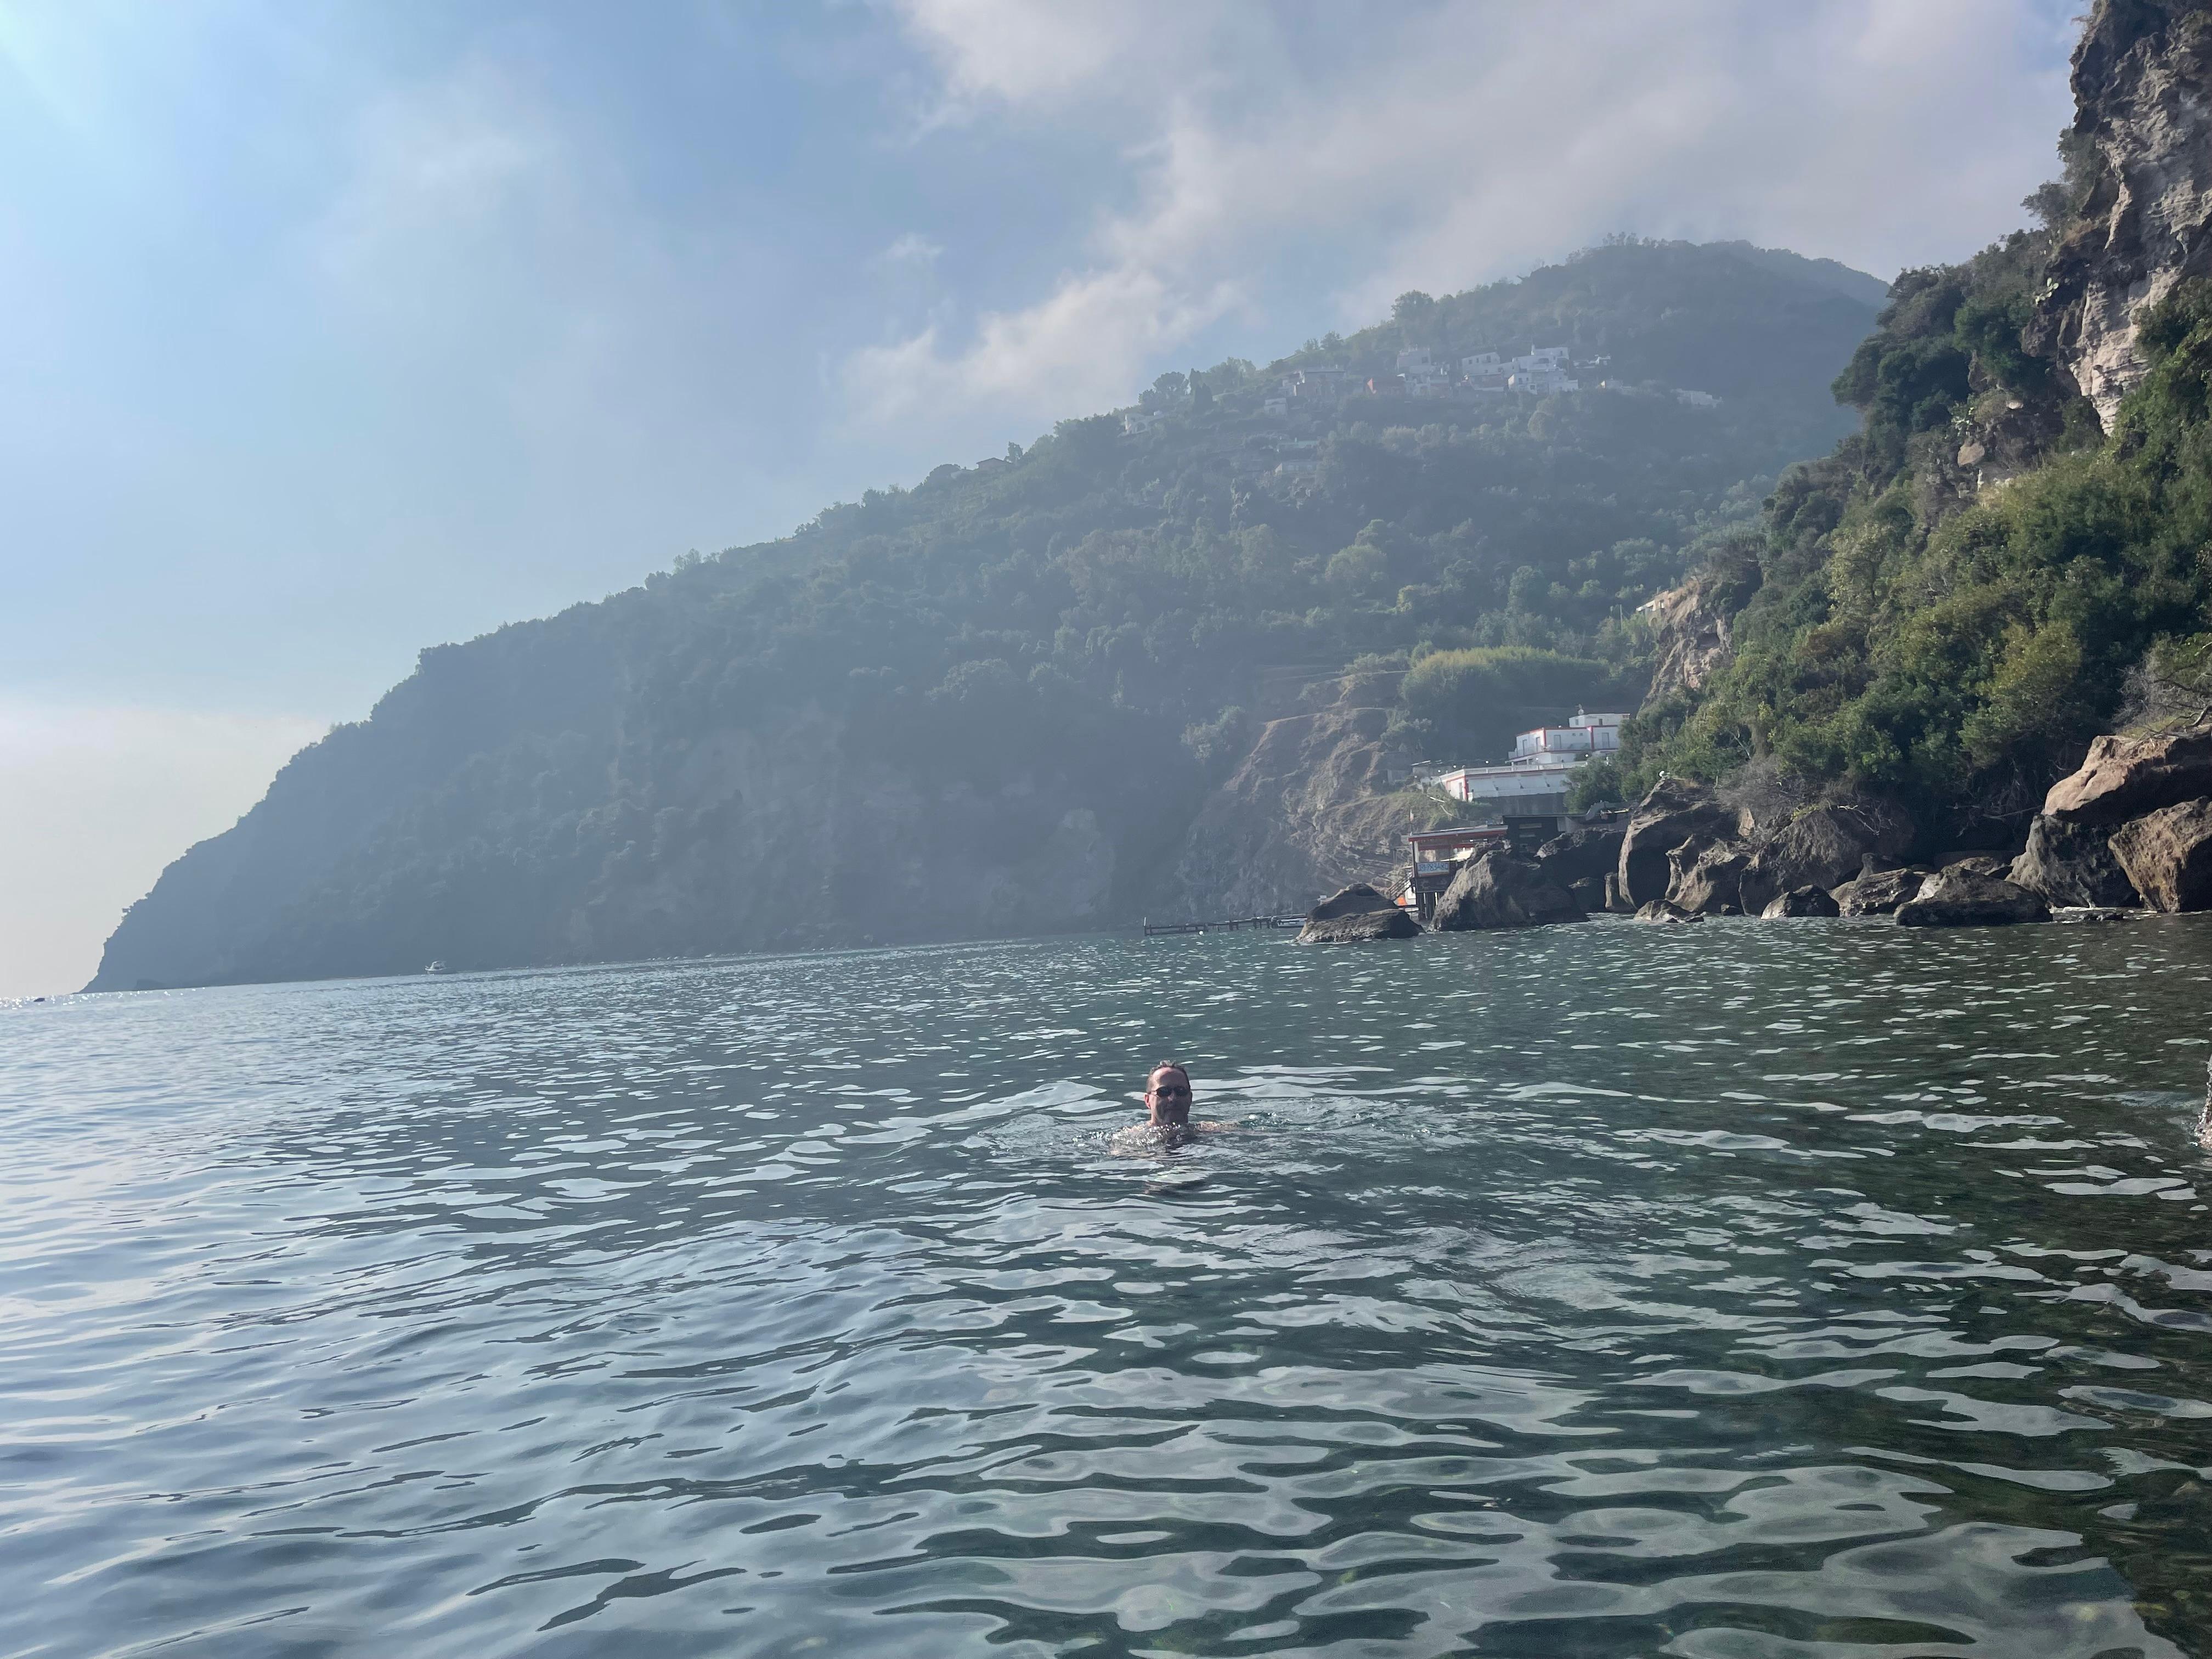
336	330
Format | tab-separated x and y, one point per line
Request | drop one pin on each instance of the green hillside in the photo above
996	700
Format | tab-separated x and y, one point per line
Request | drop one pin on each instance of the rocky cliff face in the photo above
2143	77
1690	641
1310	807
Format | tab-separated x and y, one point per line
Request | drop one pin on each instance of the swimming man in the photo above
1167	1106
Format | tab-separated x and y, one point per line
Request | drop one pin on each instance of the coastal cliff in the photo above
1314	803
2142	83
2005	562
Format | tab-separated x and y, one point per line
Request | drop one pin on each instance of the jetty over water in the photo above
1234	924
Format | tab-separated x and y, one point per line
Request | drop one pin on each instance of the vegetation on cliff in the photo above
1947	608
998	700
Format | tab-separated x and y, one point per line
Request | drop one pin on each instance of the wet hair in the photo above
1158	1067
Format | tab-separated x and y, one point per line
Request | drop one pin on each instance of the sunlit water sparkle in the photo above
1803	1291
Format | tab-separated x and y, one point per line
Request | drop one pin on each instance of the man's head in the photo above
1167	1092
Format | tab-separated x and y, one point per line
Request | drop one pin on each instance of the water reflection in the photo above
1817	1290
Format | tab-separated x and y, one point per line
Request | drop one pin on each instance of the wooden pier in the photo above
1234	924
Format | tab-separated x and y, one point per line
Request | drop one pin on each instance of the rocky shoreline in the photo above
2130	831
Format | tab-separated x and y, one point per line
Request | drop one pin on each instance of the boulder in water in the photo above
1706	875
1806	901
2125	778
1961	897
1496	889
2167	855
1998	864
1822	847
1355	914
1879	892
2072	864
1358	926
1358	899
1664	910
1674	811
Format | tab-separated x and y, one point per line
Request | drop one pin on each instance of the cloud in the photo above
1020	52
1069	353
1440	145
100	800
912	249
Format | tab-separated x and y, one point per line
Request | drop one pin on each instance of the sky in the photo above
336	329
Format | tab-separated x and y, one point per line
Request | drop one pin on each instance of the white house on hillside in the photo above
1534	781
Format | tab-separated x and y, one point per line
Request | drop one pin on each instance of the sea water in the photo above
1751	1291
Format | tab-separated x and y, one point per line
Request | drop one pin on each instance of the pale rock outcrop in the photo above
1690	640
2123	778
1662	910
2168	856
1707	875
1498	890
1674	811
2141	75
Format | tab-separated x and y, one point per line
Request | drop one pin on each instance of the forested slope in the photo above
1038	693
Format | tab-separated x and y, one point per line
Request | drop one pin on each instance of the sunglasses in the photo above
1171	1090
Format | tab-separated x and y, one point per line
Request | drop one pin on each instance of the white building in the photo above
1415	357
1541	371
1534	783
1276	406
1482	362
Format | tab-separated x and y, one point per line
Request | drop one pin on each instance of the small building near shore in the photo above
1534	780
1437	855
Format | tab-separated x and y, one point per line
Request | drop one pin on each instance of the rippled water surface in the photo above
1811	1290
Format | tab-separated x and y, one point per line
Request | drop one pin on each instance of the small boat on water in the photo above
437	967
